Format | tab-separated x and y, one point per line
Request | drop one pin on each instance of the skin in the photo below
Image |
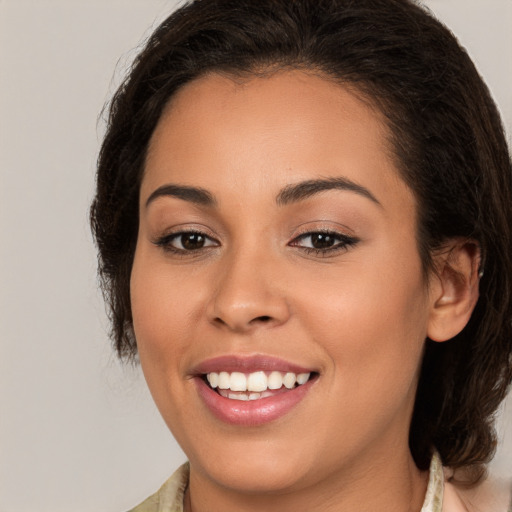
358	315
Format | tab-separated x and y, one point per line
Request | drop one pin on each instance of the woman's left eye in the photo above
321	242
186	241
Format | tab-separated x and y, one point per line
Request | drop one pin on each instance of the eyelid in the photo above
185	227
322	226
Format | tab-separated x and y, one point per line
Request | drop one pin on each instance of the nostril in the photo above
262	319
257	320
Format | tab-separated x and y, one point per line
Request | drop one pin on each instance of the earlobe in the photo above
454	289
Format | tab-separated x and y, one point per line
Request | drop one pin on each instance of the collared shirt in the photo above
441	495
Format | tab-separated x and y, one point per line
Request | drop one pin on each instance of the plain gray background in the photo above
77	431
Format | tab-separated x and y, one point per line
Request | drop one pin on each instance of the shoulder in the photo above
491	495
169	498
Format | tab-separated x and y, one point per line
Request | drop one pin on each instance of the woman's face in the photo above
276	237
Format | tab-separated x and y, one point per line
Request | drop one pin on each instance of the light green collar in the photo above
434	497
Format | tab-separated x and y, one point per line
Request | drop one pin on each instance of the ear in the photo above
453	289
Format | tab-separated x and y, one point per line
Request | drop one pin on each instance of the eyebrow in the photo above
289	194
304	189
196	195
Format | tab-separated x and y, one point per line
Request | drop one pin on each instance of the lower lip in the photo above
252	412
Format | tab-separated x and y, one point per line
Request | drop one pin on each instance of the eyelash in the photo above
342	243
165	242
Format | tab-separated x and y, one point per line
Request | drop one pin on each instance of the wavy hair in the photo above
448	143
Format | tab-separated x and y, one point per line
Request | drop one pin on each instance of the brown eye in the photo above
186	241
322	240
323	243
192	241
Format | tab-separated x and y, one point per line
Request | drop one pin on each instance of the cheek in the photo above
372	323
162	316
163	321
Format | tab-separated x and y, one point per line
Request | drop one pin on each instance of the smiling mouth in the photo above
256	385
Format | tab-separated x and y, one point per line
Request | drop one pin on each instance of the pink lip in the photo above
247	364
253	412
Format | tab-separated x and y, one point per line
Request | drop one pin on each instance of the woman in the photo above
303	216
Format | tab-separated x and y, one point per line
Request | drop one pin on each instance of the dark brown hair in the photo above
448	143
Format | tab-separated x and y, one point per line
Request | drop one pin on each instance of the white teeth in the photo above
224	380
238	382
213	379
275	380
302	378
257	383
234	396
289	380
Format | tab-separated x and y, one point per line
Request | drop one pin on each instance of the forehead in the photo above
256	134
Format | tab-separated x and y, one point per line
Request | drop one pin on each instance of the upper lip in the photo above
247	364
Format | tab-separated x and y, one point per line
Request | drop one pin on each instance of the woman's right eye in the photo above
186	241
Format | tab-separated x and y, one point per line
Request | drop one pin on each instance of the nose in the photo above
249	295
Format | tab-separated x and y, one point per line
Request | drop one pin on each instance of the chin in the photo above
263	475
255	465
